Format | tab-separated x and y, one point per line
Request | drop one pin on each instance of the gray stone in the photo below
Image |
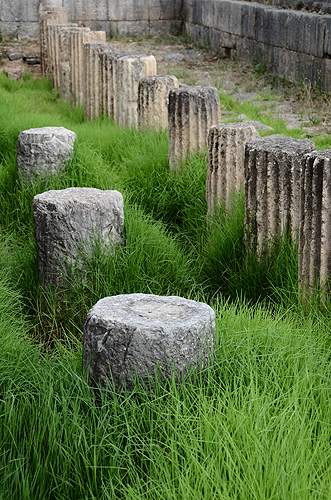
153	100
315	223
191	113
43	151
261	127
70	226
272	189
225	162
14	56
142	335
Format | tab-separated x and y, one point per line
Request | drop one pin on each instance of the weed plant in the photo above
254	425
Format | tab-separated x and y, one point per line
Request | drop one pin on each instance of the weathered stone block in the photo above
92	87
315	223
76	61
142	336
64	65
129	70
225	161
43	152
54	52
153	100
57	15
192	111
107	61
70	225
272	189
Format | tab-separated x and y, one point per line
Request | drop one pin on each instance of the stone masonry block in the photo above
144	336
92	87
225	161
54	52
76	61
191	113
52	16
272	189
72	225
107	61
64	34
129	70
43	151
315	223
153	100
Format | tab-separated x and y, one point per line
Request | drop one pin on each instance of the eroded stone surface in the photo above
92	87
54	15
225	161
315	222
272	188
70	226
192	111
54	51
108	61
43	152
140	335
153	100
129	70
76	61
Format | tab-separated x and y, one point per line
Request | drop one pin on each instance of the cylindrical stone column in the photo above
108	61
54	52
55	15
92	85
142	336
225	161
43	152
191	113
153	101
76	61
70	226
272	189
64	34
315	223
129	70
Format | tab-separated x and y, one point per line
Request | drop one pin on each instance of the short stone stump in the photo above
43	152
143	336
72	224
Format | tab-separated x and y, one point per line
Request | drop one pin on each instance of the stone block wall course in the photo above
289	42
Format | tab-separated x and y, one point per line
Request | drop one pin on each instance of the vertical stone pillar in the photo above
108	61
129	70
191	113
64	34
92	99
76	60
70	224
225	161
54	15
153	100
315	222
54	51
272	189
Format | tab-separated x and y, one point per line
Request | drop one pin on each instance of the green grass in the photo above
256	425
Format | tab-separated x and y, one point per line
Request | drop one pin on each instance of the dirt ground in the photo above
297	104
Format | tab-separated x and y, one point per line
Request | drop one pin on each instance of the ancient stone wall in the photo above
20	17
322	6
288	43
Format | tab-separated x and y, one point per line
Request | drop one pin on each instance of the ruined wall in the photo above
321	6
289	43
20	17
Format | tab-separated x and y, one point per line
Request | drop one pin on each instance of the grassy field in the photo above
257	426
